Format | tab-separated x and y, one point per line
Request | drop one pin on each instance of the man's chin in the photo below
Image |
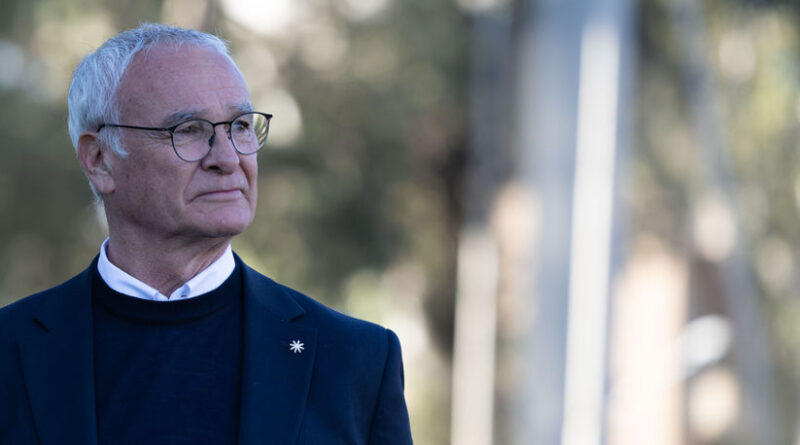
227	229
226	223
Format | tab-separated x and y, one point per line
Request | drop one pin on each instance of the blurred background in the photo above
580	217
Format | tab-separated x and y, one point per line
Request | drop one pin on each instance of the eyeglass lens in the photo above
192	139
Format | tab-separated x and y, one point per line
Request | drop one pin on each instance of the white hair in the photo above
93	90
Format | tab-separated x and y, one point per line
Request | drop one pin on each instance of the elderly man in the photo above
168	337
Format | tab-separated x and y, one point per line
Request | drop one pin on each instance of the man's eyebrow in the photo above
177	117
242	108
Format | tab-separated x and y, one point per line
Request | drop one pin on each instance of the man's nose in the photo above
214	134
223	156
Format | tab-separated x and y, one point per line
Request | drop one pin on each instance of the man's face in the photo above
155	193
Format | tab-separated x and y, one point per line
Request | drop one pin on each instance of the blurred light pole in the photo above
573	109
478	262
567	104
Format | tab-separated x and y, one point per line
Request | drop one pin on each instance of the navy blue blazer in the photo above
346	387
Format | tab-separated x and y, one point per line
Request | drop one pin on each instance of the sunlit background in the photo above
580	217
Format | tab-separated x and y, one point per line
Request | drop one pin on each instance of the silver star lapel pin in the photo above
296	346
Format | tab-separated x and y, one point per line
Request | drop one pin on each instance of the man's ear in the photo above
94	157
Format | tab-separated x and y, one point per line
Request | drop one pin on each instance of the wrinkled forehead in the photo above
170	78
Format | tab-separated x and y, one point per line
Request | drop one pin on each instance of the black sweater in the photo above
168	372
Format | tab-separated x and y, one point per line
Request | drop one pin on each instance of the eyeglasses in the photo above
192	139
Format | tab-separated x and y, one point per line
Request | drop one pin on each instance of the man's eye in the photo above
241	125
189	129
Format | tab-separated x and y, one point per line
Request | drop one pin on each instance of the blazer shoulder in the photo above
343	332
362	341
373	346
16	319
25	308
327	317
297	307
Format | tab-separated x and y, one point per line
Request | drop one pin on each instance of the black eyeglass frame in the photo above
171	131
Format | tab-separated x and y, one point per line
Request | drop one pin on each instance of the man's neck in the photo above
165	266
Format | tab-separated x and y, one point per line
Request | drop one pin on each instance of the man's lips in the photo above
222	195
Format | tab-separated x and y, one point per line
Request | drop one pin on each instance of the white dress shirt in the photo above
207	280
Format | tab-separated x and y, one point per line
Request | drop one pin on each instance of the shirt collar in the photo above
207	280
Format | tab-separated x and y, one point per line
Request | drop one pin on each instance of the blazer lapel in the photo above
278	363
58	368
